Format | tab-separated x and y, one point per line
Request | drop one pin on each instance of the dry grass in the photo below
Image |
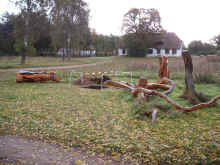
106	122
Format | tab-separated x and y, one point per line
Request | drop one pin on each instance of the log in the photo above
26	76
143	83
157	86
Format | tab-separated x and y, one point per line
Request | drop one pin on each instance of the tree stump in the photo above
190	93
163	71
142	82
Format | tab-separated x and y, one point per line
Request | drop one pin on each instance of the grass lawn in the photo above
109	122
7	62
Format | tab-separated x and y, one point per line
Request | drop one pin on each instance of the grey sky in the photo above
189	19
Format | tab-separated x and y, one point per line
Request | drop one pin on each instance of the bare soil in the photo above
20	151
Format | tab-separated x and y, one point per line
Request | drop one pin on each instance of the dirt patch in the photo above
19	151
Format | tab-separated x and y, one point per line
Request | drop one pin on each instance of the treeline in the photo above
43	27
202	48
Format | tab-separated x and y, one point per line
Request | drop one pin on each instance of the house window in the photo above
167	51
123	51
158	50
174	51
150	51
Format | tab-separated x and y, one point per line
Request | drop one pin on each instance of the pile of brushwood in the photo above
92	82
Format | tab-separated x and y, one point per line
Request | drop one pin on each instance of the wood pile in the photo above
92	82
27	76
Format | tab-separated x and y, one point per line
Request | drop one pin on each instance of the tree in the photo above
190	93
27	8
105	44
216	41
200	48
6	34
195	47
140	27
41	35
70	24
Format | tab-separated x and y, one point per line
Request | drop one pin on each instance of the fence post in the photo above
70	79
102	81
81	78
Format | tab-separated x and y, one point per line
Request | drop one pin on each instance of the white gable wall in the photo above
87	52
163	53
122	52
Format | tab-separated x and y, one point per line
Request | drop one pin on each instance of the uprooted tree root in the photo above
137	91
200	97
177	106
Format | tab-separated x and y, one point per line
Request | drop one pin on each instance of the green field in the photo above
109	122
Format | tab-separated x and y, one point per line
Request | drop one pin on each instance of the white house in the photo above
168	45
122	52
64	51
87	52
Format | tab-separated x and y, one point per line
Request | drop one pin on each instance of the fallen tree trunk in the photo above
157	86
143	83
27	76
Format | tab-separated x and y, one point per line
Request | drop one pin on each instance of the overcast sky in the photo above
189	19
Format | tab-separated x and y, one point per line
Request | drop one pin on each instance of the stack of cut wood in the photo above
27	76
